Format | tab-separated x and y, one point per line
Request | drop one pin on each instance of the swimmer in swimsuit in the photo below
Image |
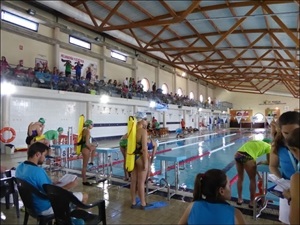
87	150
140	171
34	130
245	159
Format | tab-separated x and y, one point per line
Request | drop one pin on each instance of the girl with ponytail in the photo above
209	206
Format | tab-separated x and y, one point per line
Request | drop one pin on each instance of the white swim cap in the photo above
140	115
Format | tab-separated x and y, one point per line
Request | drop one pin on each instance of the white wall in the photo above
255	101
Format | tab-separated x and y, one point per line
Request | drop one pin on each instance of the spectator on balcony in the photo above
154	87
78	68
125	82
124	91
68	68
37	67
88	76
4	66
115	83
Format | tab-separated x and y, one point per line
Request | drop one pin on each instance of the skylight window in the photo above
118	56
79	42
19	21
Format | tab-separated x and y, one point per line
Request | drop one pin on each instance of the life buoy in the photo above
13	134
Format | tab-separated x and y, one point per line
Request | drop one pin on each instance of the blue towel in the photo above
156	205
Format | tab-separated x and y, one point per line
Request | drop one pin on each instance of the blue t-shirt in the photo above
286	166
203	212
36	176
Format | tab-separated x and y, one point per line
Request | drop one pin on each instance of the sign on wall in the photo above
241	115
74	59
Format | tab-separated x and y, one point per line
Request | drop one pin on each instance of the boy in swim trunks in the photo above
245	159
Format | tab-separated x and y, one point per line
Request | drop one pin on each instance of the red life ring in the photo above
13	134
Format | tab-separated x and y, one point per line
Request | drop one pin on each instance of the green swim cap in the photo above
60	129
88	123
42	120
267	140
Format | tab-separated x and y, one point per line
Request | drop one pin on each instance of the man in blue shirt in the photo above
31	172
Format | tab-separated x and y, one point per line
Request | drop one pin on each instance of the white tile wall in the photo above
23	111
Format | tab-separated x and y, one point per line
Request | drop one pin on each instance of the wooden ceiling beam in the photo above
111	13
281	24
90	14
238	23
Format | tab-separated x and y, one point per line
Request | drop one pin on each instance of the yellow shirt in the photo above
255	148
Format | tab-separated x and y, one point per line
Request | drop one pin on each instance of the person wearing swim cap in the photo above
35	129
50	135
245	159
141	166
87	150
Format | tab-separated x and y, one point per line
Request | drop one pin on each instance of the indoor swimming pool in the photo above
202	152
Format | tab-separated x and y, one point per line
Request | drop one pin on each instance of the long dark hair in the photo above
287	118
207	185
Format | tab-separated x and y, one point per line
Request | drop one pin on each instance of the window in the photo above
201	98
191	95
118	56
165	89
146	84
259	117
19	21
79	42
179	91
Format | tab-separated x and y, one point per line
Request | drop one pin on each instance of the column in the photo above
5	104
102	70
56	55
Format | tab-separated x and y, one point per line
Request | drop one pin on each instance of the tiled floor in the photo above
117	199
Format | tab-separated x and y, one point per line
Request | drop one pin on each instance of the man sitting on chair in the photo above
37	176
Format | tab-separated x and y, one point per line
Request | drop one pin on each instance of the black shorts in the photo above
242	157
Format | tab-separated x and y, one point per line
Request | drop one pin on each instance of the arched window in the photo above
179	91
191	95
146	84
165	89
201	98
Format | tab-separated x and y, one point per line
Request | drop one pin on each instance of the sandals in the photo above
87	183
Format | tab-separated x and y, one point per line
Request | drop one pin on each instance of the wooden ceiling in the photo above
242	46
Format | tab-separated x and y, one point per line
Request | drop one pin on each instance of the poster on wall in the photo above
41	62
244	115
86	63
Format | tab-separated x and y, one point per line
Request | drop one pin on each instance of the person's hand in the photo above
286	194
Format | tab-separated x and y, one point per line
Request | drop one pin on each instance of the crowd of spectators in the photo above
41	76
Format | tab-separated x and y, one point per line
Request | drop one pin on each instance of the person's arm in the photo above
153	151
238	217
294	201
274	164
144	148
184	218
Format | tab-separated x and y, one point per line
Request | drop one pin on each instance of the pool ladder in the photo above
163	184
